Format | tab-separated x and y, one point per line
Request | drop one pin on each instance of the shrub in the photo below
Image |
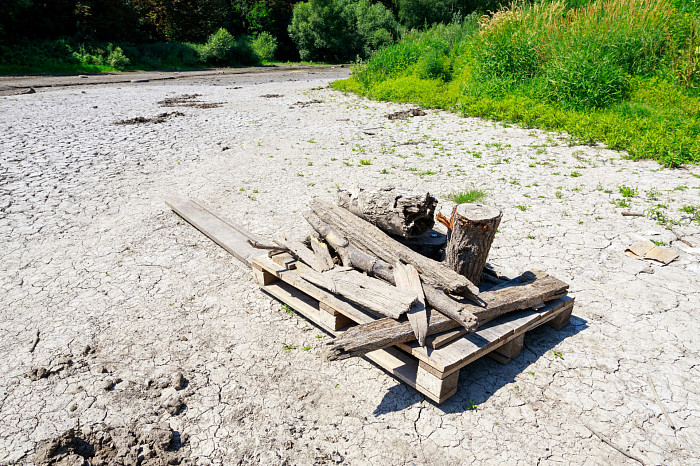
338	30
265	46
116	58
219	47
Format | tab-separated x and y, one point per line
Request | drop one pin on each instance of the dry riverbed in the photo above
127	333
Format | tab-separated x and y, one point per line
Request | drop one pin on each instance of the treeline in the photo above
319	30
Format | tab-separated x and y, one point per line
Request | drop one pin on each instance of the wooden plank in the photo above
472	346
323	255
441	339
292	277
407	278
373	294
223	232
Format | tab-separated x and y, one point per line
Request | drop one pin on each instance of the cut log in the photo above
376	296
354	257
531	289
396	211
375	242
407	278
472	228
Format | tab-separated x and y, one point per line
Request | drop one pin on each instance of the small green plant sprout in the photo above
384	171
473	406
469	196
627	191
318	337
530	236
516	388
659	243
599	187
557	354
255	191
652	193
624	202
287	309
575	174
521	207
558	194
310	164
365	162
306	348
531	373
657	213
287	347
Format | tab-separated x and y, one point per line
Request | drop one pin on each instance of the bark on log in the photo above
529	290
471	232
407	278
354	257
375	242
396	211
376	296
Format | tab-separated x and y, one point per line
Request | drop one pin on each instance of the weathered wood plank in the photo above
407	278
222	231
528	290
374	295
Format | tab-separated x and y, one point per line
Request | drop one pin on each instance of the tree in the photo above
337	30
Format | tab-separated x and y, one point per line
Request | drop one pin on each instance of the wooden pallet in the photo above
433	372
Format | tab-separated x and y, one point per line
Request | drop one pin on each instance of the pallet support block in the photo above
509	351
561	320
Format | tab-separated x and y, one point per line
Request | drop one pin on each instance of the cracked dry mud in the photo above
155	342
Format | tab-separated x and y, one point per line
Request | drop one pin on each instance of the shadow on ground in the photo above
484	377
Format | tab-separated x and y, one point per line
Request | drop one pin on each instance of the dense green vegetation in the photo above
624	72
75	35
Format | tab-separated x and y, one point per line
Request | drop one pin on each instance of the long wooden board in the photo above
222	231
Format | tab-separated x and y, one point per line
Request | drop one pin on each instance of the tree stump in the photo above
471	230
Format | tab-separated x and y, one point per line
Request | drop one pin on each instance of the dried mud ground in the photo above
155	345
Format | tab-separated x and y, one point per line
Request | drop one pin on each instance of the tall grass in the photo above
624	72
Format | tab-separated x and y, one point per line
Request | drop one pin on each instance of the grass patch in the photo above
469	196
622	72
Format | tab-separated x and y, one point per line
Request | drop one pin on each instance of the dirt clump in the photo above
271	96
154	444
406	114
306	104
188	100
160	118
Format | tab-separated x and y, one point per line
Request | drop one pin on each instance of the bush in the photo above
265	46
219	47
340	30
116	58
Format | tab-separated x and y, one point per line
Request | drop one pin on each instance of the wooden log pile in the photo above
355	253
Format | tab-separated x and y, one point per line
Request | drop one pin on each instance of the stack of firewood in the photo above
373	249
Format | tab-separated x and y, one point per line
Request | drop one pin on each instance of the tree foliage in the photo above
338	30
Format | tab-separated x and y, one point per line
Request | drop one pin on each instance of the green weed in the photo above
469	196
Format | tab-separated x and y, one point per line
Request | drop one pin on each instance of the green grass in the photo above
469	196
622	72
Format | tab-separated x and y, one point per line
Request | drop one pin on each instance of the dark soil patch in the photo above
406	114
188	100
160	118
154	444
307	103
271	96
